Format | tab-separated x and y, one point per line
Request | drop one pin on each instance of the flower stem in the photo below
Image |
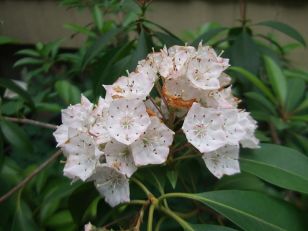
150	217
142	187
158	109
159	223
29	121
177	218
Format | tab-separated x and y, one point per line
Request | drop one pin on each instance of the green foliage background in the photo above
269	194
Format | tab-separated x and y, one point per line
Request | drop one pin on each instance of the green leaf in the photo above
80	200
279	165
80	29
60	219
1	151
300	118
99	45
262	101
7	83
16	136
302	106
242	181
97	16
209	34
51	107
207	227
252	210
167	40
23	220
28	52
296	74
6	40
28	61
172	177
296	92
163	29
67	91
244	53
11	107
141	50
257	82
286	29
277	79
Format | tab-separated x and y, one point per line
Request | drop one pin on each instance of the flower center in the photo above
200	130
127	122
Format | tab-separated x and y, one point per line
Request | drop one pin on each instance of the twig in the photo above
243	10
29	177
274	134
158	109
29	121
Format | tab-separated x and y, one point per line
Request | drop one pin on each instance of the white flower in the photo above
127	120
249	125
99	129
180	87
82	157
146	68
153	146
221	98
180	56
161	62
205	69
119	156
78	116
111	184
224	80
223	161
63	133
135	86
202	127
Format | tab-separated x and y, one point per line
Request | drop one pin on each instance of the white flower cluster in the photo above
107	142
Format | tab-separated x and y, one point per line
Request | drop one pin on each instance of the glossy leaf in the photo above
207	227
296	92
97	16
300	118
262	101
296	74
67	91
80	200
257	82
6	40
141	50
209	34
172	176
97	46
7	83
277	79
28	61
242	181
286	29
23	220
16	136
244	53
167	40
251	210
279	165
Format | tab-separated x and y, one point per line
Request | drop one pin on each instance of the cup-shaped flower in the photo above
223	161
112	185
119	156
82	157
153	146
127	120
202	127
